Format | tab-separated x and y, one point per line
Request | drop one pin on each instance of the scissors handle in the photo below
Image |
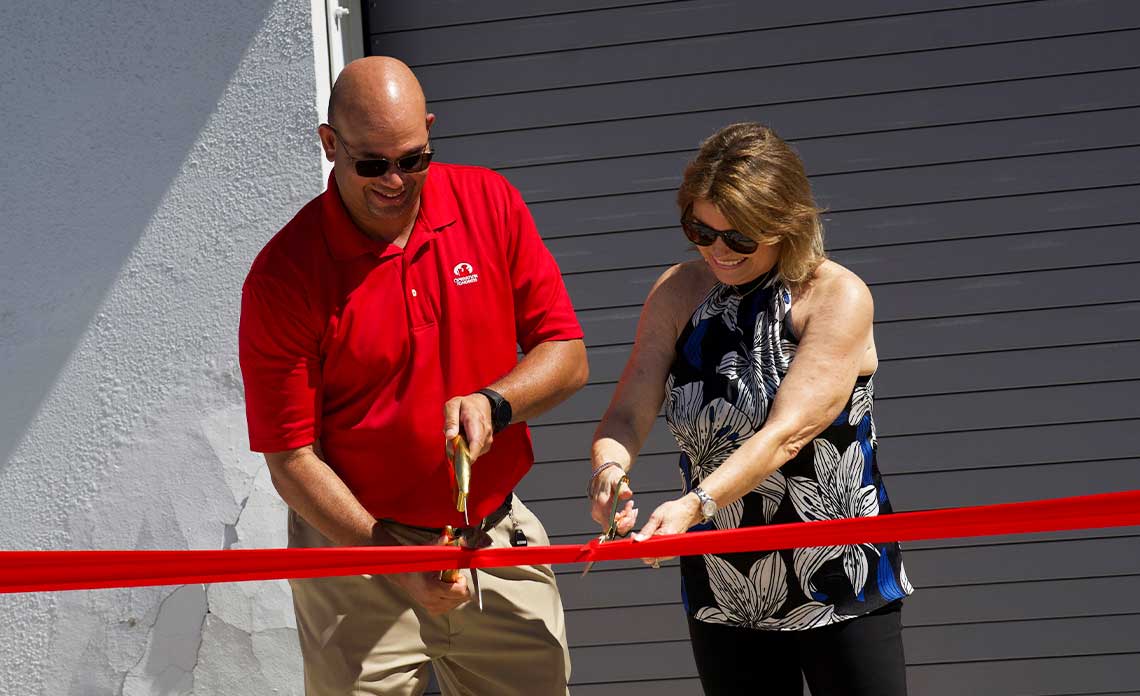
611	530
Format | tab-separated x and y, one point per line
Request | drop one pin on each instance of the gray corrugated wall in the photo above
980	162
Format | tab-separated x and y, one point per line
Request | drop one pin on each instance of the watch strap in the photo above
707	501
500	409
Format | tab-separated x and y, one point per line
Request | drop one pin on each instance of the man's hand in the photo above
473	413
431	593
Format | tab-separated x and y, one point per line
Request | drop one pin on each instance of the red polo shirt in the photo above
358	343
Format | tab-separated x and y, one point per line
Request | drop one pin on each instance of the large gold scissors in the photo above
611	531
461	462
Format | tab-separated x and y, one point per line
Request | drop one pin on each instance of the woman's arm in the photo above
836	338
641	390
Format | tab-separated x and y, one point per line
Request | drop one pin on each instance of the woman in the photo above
762	351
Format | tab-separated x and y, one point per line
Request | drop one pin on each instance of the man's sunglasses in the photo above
373	168
702	235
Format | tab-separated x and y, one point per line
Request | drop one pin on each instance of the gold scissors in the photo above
461	461
611	531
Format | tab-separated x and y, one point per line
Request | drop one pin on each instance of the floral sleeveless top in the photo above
730	360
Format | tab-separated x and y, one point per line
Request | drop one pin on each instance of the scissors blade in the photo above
478	590
611	532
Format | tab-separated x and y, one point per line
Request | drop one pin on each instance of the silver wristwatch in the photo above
708	505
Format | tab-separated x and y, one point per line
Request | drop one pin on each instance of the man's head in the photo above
377	111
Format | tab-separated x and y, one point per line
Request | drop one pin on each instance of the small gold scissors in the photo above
611	531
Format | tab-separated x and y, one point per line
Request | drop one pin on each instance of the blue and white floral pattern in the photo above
730	362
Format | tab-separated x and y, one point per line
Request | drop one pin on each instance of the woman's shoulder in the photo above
684	282
832	282
680	289
832	290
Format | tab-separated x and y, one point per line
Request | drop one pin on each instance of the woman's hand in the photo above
672	517
601	500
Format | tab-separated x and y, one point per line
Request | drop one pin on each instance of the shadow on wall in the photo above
100	108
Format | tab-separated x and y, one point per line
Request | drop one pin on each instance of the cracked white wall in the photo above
150	149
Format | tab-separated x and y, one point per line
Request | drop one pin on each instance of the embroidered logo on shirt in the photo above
464	274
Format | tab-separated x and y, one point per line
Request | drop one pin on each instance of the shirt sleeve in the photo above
543	311
279	353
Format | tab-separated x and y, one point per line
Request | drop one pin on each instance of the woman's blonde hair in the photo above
758	183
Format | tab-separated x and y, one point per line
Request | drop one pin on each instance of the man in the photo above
381	321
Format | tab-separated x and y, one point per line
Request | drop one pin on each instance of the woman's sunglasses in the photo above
702	235
372	168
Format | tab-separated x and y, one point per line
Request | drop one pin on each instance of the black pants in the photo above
858	657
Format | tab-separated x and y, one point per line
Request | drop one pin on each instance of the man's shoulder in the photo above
469	179
299	243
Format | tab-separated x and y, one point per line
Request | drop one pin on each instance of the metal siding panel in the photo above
1076	207
1068	323
670	687
956	488
570	516
1009	370
891	267
1019	640
943	375
584	258
626	25
570	441
931	184
610	333
556	489
1086	675
567	479
1060	210
1003	409
983	564
944	159
920	299
1023	600
811	81
964	642
798	122
1034	444
608	665
749	50
404	16
851	153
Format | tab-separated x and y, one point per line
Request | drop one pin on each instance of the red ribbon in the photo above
36	571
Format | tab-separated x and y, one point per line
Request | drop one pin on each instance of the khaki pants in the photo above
362	634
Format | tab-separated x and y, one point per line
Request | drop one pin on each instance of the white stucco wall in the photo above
149	150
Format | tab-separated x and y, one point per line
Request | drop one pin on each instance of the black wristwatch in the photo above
500	409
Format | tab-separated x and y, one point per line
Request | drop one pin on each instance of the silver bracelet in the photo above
594	477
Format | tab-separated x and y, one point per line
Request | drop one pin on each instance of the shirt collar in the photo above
438	209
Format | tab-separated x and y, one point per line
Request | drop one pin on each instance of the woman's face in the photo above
731	267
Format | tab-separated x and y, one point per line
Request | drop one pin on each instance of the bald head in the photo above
377	92
377	114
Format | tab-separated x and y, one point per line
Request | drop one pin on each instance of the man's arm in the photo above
317	494
544	378
554	365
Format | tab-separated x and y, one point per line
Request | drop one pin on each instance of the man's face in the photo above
379	202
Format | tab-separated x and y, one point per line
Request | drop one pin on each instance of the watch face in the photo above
708	508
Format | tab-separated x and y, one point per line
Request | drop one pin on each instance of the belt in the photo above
493	518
